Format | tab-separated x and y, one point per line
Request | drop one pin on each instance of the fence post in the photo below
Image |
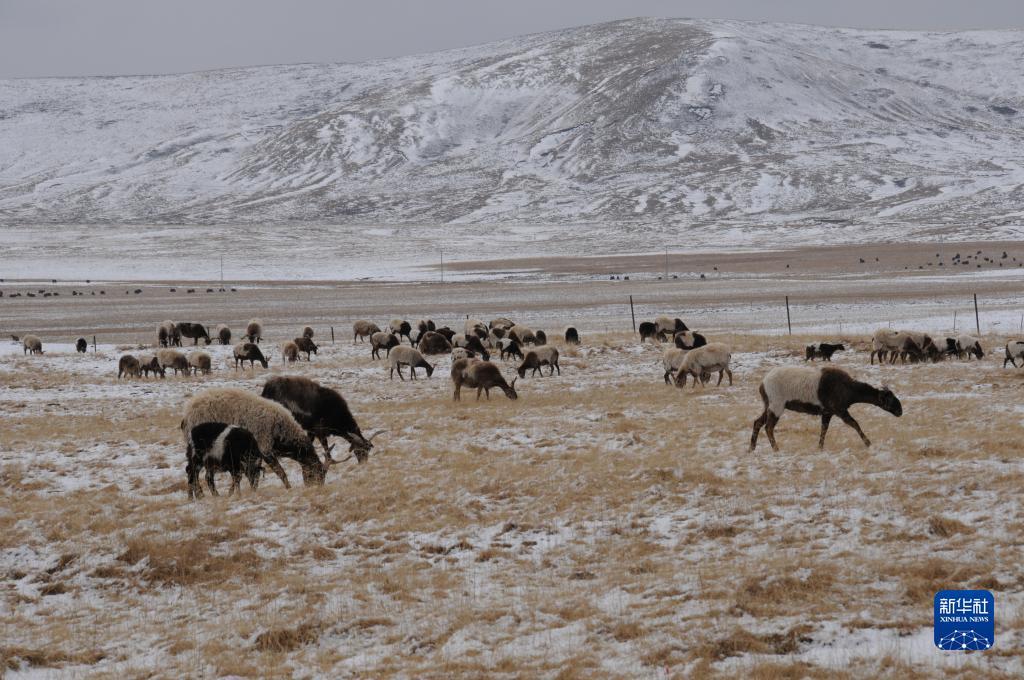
954	321
632	313
332	335
789	321
94	344
977	319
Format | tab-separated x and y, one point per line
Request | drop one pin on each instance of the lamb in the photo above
433	342
964	345
1014	351
401	328
149	363
572	336
306	344
172	358
671	360
824	391
167	335
483	375
289	352
321	411
248	351
702	361
522	335
407	356
383	341
276	432
689	340
218	446
254	331
307	332
224	334
200	363
822	350
129	367
536	358
510	348
473	343
648	330
194	331
81	346
542	338
363	329
665	325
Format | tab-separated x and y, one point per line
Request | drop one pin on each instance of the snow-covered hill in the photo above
752	128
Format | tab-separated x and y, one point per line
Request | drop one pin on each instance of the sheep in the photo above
648	330
129	367
523	335
1014	351
501	322
541	338
432	342
689	340
200	363
254	331
194	331
536	358
172	358
401	328
81	346
448	333
277	433
321	411
472	342
218	446
964	345
510	348
150	363
407	356
572	336
483	375
168	335
307	332
671	360
665	325
289	352
462	353
248	351
363	329
383	340
900	344
822	350
224	334
306	344
424	325
923	346
470	326
700	362
824	391
494	337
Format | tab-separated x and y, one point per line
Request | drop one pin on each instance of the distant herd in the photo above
236	431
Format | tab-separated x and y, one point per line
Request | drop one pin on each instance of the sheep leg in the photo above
667	374
209	480
412	371
758	424
720	374
457	396
322	438
729	373
848	419
825	419
769	429
236	482
275	465
478	391
559	368
192	470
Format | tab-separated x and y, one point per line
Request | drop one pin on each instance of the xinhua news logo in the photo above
964	620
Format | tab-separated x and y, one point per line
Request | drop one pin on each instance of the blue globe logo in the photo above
964	639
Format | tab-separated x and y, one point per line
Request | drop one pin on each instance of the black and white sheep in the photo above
703	361
689	340
248	351
254	331
822	350
173	359
221	447
545	355
1014	351
195	331
407	356
474	344
508	347
483	375
401	328
666	326
149	363
167	335
200	362
964	346
523	335
383	340
824	391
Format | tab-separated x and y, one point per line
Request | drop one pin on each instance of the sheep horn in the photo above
331	461
372	436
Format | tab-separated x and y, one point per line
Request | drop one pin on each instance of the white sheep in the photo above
671	360
363	329
30	344
407	356
289	352
172	358
200	362
1014	351
702	361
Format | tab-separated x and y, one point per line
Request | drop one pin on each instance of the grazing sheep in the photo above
448	333
289	352
384	340
221	447
401	328
462	353
671	360
825	391
572	336
307	332
149	363
167	335
665	326
407	356
81	346
901	344
510	348
922	347
194	331
200	363
224	334
483	375
822	350
321	411
172	358
306	344
502	322
129	367
424	325
432	342
648	330
254	331
689	340
277	433
248	351
535	358
964	345
1014	351
523	335
363	329
470	326
473	343
541	338
702	361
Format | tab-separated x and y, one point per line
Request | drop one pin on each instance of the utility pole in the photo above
666	264
442	265
221	271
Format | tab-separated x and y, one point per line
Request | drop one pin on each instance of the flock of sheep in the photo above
232	430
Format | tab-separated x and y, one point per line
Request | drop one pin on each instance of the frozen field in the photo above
603	525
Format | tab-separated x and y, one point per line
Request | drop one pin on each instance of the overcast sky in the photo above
109	37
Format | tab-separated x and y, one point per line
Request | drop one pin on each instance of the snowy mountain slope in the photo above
648	122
